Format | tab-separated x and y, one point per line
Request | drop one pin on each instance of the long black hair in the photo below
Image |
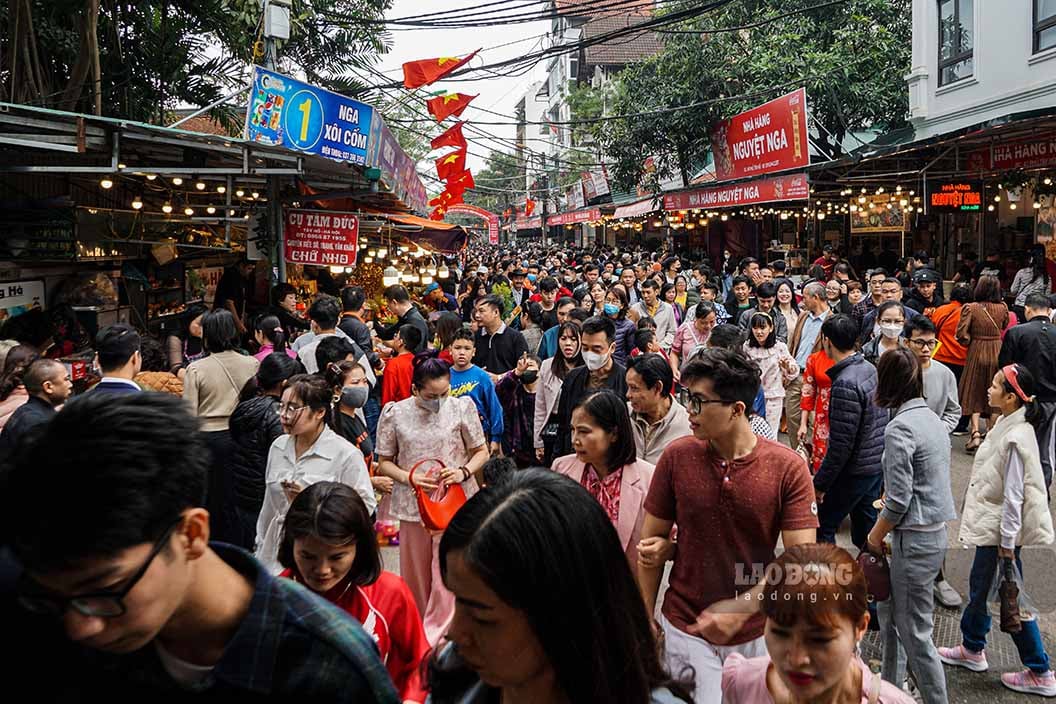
560	367
547	548
609	412
274	369
271	328
1026	382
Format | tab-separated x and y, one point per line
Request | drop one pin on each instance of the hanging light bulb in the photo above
368	260
1047	181
337	269
151	177
255	195
990	207
240	193
200	185
443	272
221	189
210	210
177	181
373	253
1011	206
861	199
725	217
821	215
137	203
382	251
231	213
188	210
390	276
167	208
1037	205
107	183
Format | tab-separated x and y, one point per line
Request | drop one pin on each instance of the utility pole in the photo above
276	26
546	199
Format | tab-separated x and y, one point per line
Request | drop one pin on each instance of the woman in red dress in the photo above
815	399
328	545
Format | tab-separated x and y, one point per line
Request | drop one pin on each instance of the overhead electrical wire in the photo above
490	18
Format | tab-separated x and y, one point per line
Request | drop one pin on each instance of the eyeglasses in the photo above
104	604
287	409
922	343
696	403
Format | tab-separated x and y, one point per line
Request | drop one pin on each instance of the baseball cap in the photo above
431	287
926	276
482	269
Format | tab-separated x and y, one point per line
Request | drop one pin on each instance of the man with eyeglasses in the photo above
732	494
121	562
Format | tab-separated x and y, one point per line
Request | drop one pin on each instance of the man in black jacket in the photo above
353	299
398	301
926	295
851	475
1033	345
499	346
599	371
48	384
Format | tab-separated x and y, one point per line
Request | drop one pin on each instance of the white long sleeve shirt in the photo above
1012	509
330	459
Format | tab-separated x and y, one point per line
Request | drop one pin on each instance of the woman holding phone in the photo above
310	452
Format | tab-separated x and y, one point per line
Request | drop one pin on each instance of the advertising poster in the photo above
766	190
769	138
16	297
321	237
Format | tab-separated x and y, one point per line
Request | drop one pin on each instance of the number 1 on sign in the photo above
306	111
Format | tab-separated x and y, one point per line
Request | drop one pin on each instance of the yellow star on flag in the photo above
450	97
451	159
444	59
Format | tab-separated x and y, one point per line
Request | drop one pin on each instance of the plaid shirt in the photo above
291	646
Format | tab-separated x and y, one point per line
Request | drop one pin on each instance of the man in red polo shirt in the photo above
732	495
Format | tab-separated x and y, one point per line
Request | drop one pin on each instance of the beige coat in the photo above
650	441
212	386
547	394
981	517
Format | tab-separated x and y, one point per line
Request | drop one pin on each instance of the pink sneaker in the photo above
1030	683
962	657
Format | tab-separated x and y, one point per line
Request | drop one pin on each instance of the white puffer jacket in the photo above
981	517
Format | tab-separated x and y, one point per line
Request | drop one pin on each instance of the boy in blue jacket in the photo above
467	379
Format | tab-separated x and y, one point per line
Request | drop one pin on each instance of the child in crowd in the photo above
778	367
467	379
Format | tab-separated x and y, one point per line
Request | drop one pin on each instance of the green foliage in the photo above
155	56
851	58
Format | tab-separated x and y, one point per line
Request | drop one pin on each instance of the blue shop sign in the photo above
286	112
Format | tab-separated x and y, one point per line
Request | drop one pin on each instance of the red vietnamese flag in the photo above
426	71
444	106
451	138
447	198
529	206
438	213
461	182
451	165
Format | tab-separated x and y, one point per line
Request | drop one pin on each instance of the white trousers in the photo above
682	650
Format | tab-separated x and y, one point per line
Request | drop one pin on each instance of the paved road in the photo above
964	687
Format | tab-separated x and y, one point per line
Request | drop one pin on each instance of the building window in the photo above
1044	25
955	40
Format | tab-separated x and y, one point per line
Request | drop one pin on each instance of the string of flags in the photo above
451	167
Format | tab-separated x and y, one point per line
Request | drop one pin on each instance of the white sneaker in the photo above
946	595
960	656
1028	682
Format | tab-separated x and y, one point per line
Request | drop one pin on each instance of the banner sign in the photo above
769	138
526	224
286	112
595	183
961	196
490	217
1029	153
576	216
633	210
766	190
16	297
574	196
397	169
321	237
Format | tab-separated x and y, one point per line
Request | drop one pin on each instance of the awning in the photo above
753	192
575	216
527	224
638	208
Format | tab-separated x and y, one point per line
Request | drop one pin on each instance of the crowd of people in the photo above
554	430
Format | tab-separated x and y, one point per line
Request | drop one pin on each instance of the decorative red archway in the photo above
490	217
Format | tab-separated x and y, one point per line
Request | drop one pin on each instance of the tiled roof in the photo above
597	8
622	50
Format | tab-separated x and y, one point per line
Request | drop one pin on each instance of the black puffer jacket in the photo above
856	424
254	426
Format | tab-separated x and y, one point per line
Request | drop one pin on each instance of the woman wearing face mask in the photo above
816	614
548	390
255	425
516	390
891	318
351	391
528	612
310	452
616	310
428	425
328	545
691	336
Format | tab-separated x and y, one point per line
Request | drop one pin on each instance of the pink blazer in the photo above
635	485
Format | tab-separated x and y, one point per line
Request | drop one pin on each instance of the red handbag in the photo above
438	507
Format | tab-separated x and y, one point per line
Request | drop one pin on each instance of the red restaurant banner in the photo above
575	216
765	190
321	237
769	138
1021	154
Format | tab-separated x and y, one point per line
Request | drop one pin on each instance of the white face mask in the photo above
890	330
595	361
431	404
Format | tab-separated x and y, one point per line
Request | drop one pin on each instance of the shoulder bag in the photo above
439	506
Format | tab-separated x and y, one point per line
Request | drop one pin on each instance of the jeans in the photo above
975	621
908	617
854	496
371	413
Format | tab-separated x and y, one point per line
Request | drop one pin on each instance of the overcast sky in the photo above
498	94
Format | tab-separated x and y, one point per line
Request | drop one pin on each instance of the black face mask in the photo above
529	376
